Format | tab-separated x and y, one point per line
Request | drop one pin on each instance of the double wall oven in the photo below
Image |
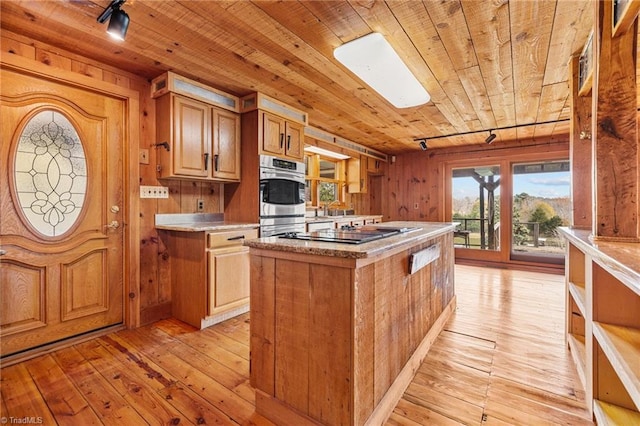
282	196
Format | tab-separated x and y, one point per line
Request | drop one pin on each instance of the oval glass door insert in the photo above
50	173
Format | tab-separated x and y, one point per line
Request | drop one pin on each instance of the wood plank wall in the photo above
155	286
419	179
417	186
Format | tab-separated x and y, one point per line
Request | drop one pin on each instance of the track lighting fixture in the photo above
423	144
491	137
119	22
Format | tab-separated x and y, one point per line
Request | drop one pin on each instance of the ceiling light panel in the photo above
375	62
325	152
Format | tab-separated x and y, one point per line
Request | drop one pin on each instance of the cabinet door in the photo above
272	134
229	275
226	145
357	175
293	141
192	140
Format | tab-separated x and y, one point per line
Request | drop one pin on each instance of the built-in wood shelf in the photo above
579	296
621	345
578	349
603	325
609	414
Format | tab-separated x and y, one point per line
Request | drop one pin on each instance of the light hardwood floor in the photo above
501	360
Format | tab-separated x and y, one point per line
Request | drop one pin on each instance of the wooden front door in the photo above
61	211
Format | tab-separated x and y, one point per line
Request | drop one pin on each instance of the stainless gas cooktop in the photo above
348	236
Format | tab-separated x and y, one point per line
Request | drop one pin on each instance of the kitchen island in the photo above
338	330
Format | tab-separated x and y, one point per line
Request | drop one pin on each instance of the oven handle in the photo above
281	174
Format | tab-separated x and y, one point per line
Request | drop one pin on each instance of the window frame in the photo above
313	179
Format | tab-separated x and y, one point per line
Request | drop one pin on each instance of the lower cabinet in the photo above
209	274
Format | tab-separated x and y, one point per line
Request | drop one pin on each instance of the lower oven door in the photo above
282	197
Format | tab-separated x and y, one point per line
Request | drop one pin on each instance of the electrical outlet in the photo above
200	205
143	156
154	191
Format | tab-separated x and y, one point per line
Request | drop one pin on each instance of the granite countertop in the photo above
427	231
198	222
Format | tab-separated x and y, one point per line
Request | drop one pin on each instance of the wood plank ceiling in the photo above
487	64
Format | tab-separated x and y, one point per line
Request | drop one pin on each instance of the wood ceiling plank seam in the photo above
281	12
249	13
473	83
506	114
540	130
381	19
418	26
572	22
552	100
340	18
529	44
451	25
490	31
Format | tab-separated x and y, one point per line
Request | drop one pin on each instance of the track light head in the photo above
423	144
119	22
491	137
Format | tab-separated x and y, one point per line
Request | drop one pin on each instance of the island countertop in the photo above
426	230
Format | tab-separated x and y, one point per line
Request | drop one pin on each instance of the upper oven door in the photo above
281	197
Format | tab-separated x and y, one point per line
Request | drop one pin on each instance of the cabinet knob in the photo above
281	140
206	161
288	142
215	162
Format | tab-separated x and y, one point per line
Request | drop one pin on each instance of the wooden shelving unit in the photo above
576	309
603	324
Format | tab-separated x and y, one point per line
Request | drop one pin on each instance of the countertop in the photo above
621	257
427	231
198	223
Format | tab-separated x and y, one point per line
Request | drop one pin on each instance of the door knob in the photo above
113	225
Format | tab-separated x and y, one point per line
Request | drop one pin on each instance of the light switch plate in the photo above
154	191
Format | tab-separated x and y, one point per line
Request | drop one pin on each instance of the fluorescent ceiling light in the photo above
376	63
325	152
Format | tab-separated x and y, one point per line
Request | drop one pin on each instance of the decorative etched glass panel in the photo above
50	173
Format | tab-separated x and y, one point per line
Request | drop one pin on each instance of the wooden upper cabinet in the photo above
226	145
203	141
374	166
191	138
281	138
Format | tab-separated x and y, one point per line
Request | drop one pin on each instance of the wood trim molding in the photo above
131	178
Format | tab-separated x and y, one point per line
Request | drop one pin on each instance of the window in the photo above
325	180
476	206
541	203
